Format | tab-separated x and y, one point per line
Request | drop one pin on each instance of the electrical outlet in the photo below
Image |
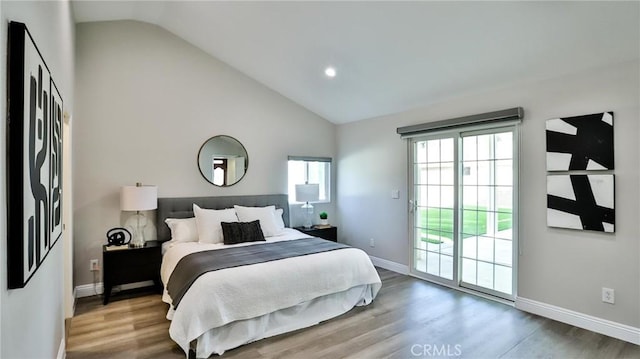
94	265
372	242
608	295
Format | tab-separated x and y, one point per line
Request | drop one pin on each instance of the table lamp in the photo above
139	198
307	193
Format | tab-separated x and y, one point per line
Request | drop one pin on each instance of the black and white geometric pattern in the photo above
583	202
34	158
580	143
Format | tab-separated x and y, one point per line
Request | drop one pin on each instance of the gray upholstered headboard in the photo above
182	207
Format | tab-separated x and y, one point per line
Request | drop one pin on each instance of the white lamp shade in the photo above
138	198
307	192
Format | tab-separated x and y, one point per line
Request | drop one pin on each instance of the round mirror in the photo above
223	160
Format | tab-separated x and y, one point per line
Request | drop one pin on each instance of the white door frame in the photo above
67	216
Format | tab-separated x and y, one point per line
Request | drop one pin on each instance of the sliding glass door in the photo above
464	205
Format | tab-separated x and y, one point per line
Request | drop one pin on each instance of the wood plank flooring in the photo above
410	318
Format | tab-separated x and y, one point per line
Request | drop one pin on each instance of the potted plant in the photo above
324	219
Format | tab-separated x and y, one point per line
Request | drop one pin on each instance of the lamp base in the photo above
137	243
308	215
138	239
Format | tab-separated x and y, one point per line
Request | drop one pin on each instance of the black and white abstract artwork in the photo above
584	202
34	146
580	143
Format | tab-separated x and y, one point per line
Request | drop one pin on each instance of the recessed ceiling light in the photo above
330	71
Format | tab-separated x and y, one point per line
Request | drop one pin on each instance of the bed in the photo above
226	307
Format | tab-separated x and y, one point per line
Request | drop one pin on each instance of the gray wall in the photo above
147	100
564	268
33	317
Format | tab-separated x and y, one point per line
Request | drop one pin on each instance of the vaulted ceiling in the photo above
392	56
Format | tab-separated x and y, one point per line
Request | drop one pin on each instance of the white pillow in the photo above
266	216
183	229
279	221
208	223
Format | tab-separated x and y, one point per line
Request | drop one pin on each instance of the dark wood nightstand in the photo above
330	233
130	265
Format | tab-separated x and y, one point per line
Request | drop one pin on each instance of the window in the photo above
310	170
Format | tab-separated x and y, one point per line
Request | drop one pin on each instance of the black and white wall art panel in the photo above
584	202
580	143
34	145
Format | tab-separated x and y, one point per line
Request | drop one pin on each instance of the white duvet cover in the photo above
230	297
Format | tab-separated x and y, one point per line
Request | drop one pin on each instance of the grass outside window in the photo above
438	222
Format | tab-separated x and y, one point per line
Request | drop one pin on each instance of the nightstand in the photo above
330	233
130	265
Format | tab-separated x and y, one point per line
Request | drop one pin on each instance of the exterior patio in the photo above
486	261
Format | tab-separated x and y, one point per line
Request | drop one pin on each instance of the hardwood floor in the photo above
410	318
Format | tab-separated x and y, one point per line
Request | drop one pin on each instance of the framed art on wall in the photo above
580	142
576	200
34	144
584	202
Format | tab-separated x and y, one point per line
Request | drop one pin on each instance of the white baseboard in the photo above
616	330
62	350
89	290
392	266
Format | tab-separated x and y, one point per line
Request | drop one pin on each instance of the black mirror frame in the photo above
246	160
